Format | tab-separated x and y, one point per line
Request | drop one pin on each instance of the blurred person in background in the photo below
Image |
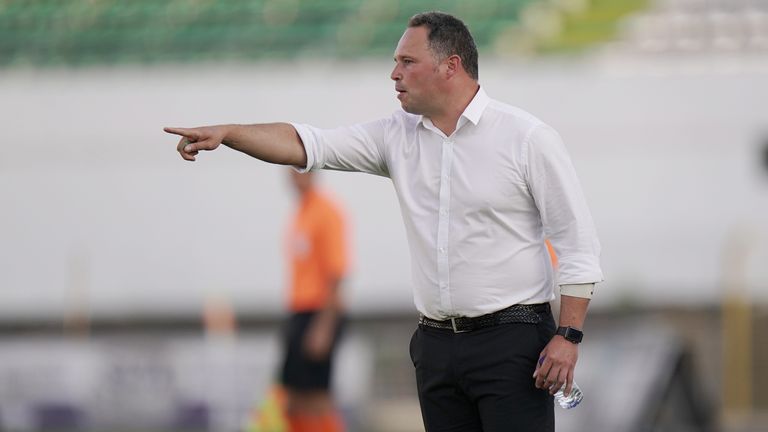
481	184
317	255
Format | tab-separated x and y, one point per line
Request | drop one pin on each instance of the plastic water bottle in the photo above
570	400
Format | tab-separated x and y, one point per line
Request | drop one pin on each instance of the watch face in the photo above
573	335
570	334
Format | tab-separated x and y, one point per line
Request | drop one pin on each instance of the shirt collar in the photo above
472	112
475	109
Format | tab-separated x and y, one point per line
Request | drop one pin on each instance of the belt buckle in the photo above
456	330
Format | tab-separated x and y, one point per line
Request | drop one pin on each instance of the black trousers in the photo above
482	381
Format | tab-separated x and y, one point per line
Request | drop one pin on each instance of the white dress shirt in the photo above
477	205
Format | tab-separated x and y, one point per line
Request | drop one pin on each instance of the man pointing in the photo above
481	184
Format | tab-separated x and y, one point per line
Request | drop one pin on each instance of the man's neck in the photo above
447	120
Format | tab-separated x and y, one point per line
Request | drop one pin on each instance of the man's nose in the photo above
395	75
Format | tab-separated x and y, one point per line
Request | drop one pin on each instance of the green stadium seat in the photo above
83	32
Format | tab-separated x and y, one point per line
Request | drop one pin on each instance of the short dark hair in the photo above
448	35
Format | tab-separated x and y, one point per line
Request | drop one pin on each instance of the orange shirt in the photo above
317	251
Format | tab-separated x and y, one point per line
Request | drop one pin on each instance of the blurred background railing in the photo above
641	371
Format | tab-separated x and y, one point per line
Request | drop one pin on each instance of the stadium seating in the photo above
83	32
700	26
93	32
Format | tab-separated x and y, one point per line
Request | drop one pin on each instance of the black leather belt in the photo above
521	313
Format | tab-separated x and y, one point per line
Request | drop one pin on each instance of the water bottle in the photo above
570	400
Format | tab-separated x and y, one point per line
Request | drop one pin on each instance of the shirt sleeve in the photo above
565	217
359	147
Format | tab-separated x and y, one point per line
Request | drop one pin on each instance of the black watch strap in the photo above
570	334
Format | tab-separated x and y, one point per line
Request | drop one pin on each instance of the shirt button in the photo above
443	212
442	250
443	285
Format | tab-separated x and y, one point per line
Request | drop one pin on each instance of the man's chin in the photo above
408	109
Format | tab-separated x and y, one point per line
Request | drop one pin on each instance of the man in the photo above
481	184
317	253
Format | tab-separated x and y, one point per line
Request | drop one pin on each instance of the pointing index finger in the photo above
177	131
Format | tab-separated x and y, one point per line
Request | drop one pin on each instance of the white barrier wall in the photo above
100	215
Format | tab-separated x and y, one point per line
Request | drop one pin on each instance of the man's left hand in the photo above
556	364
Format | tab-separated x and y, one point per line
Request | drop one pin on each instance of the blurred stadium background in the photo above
140	293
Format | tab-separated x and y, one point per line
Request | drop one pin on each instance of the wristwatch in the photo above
570	334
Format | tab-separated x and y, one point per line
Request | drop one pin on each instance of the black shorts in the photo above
300	372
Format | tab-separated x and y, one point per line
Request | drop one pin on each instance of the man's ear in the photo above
453	65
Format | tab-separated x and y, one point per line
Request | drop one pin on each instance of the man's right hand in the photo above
193	140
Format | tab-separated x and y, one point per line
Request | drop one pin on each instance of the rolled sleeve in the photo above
309	143
359	147
578	290
566	219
